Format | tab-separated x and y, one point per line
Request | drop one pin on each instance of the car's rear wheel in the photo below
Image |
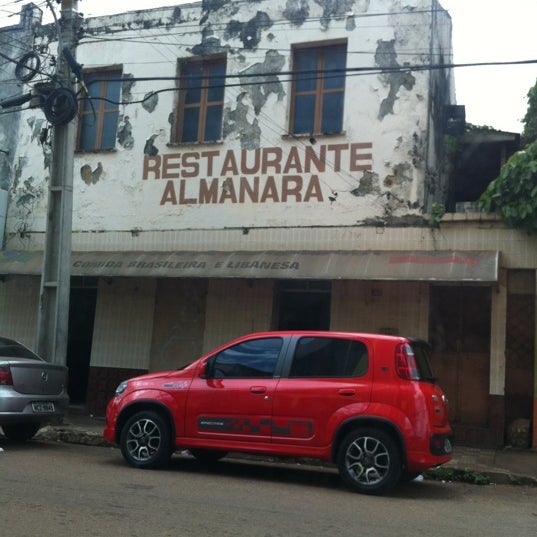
21	432
369	461
145	440
208	456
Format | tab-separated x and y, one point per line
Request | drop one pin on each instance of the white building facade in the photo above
246	166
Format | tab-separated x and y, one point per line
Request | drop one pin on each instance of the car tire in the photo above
20	432
208	456
145	440
369	461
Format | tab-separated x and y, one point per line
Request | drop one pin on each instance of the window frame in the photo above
362	361
321	50
212	362
203	104
98	108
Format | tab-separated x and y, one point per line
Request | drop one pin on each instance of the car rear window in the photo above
329	357
421	355
12	349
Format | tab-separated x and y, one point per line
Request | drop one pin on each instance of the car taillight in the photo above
5	375
405	363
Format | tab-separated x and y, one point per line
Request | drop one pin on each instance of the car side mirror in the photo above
207	369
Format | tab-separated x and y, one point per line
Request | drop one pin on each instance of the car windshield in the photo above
12	349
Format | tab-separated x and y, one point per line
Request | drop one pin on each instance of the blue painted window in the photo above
99	112
318	89
201	100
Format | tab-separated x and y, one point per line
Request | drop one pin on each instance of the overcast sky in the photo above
483	31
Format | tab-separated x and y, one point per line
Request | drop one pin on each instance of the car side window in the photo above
329	357
256	358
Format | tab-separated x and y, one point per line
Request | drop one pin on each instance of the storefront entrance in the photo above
519	357
303	305
459	331
82	304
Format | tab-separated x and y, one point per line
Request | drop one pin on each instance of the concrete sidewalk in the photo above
505	466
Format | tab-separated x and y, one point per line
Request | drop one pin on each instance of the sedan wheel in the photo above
369	461
145	440
21	432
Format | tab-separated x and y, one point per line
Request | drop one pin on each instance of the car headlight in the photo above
121	388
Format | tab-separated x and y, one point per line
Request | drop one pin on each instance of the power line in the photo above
349	71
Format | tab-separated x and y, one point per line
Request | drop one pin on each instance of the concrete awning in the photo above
444	266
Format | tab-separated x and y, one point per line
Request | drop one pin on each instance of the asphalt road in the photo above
54	489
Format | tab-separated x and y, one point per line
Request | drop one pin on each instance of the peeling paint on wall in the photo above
351	24
150	101
209	45
17	173
418	150
176	17
369	184
40	133
296	11
333	9
398	185
149	148
236	121
386	57
212	5
124	133
37	126
260	88
249	32
25	195
254	115
89	176
126	87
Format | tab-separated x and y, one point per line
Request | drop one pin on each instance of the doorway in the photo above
459	331
82	305
303	305
520	346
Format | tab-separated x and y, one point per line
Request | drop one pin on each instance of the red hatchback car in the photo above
367	402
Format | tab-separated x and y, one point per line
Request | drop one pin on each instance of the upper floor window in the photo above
201	100
318	89
99	111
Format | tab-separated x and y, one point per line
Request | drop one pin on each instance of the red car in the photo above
367	402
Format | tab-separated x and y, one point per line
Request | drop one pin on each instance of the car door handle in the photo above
347	392
258	390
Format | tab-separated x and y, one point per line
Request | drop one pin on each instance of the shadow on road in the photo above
250	468
247	467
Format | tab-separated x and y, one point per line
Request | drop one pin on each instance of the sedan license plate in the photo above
43	407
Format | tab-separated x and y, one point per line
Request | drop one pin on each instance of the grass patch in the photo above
461	476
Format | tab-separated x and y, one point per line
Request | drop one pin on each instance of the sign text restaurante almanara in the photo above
259	176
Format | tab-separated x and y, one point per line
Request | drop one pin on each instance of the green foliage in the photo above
529	134
462	476
437	212
513	194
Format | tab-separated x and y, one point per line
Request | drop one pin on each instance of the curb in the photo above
72	435
479	477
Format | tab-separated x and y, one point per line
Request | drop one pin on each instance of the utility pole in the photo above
53	314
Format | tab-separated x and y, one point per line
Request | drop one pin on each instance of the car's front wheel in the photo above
369	461
145	440
20	432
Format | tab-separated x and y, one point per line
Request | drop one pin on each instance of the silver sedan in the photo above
33	392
